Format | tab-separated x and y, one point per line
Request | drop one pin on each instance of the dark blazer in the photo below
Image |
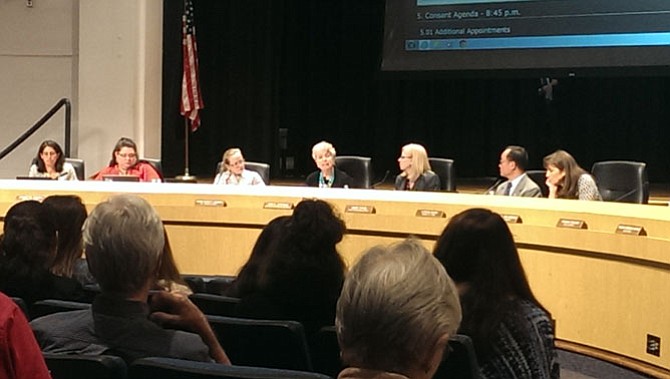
428	181
341	179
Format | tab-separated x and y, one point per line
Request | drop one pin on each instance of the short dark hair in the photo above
518	155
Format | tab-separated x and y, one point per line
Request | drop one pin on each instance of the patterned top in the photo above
523	348
587	188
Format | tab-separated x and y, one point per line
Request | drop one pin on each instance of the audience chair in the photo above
68	366
79	167
444	168
215	305
622	181
195	282
540	178
170	368
218	285
156	164
47	307
325	352
359	168
263	169
461	363
22	305
263	343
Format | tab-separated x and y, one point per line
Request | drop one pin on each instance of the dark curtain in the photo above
311	67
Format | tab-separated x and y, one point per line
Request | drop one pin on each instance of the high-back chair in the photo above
444	168
359	168
156	164
325	351
215	305
461	363
263	169
67	366
623	181
540	178
79	167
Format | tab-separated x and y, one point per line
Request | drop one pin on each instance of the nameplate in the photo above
29	197
512	219
283	205
369	209
430	213
572	224
632	230
210	203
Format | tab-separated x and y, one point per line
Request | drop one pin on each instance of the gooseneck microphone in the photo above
386	174
491	190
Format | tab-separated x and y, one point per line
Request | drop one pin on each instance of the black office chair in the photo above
263	169
540	178
444	168
66	366
623	181
79	167
325	352
170	368
215	305
263	343
156	164
461	363
46	307
359	168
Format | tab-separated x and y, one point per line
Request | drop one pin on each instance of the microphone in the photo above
491	190
386	174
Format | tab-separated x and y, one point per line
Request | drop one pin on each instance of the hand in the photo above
553	189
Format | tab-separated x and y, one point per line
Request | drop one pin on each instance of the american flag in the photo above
191	98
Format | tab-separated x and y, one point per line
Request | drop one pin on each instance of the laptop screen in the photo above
120	178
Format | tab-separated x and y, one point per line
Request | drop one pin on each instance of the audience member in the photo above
566	180
416	174
50	163
20	357
124	162
70	214
327	175
28	249
124	242
511	331
169	277
513	163
266	244
395	315
233	171
303	276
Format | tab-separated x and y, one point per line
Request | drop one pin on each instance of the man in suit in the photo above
512	165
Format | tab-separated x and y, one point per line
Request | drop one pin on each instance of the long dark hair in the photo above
71	214
54	145
563	161
478	251
121	143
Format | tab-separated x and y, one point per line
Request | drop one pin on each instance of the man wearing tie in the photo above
512	165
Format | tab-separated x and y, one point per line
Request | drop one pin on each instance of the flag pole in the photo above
186	177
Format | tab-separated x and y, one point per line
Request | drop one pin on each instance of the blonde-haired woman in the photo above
416	174
233	172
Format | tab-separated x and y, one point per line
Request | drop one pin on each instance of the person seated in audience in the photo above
70	214
247	279
50	163
303	275
20	357
327	175
396	312
124	162
512	166
233	172
512	332
124	240
416	174
169	277
27	252
566	180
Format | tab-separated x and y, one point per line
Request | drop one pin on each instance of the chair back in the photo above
540	178
156	164
218	285
170	368
263	169
263	343
79	167
22	305
325	352
195	282
461	362
46	307
359	168
623	181
215	305
68	366
444	168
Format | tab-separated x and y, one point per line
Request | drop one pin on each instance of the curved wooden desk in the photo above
607	291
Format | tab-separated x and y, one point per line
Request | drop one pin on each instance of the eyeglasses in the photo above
49	153
405	157
129	155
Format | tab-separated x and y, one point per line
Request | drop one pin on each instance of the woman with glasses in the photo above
416	174
50	163
233	171
327	175
124	162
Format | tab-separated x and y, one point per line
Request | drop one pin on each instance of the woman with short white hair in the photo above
327	175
